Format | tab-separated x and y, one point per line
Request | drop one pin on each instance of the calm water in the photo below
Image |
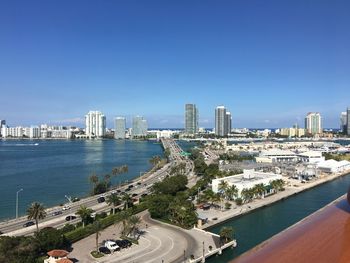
55	168
253	228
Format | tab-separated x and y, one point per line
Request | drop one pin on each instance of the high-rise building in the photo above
95	124
228	122
120	126
221	121
348	121
139	126
343	122
2	124
313	123
191	119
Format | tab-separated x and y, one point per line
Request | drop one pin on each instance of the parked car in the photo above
69	218
139	183
104	250
134	194
130	186
29	223
123	243
101	199
111	245
143	195
127	189
66	207
56	213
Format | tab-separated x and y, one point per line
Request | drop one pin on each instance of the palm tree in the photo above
226	233
84	213
36	211
223	185
155	160
97	227
93	180
133	222
120	169
113	200
231	192
124	217
260	189
127	200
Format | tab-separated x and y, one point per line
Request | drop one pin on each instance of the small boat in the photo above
36	144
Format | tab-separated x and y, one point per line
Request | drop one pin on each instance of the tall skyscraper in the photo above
120	126
348	121
139	126
228	122
95	124
313	123
221	121
191	119
343	122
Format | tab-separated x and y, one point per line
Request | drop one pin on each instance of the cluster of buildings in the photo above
223	120
345	121
95	126
43	131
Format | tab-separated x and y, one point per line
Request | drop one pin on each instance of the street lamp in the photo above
20	190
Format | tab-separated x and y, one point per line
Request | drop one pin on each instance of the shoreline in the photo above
269	200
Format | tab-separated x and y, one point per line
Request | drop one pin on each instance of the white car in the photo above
111	245
66	207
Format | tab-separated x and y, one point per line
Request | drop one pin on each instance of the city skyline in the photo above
60	60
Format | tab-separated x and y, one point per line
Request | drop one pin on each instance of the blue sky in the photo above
269	62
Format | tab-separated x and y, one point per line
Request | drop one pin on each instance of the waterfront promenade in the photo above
293	187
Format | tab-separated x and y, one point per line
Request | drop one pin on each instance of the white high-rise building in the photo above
119	126
313	123
95	124
222	121
2	124
34	132
191	119
139	126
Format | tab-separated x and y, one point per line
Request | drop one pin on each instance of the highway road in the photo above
141	185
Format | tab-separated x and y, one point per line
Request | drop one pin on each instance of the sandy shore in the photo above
293	187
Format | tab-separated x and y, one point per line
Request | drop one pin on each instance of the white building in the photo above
333	166
248	179
119	127
139	127
311	157
313	123
95	124
34	132
276	155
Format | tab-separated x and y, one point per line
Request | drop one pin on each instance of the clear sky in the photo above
269	62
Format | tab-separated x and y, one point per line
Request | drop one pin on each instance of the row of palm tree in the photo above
227	192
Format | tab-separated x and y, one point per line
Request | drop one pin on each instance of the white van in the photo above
111	245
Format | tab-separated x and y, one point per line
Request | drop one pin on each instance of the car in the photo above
143	195
29	223
123	243
118	191
130	186
56	213
66	207
134	194
127	189
101	199
69	218
104	250
139	183
111	245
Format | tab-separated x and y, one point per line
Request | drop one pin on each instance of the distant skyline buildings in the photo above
343	121
222	121
313	123
191	119
95	124
119	127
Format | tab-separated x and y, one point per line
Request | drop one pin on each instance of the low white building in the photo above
276	155
248	179
333	166
311	157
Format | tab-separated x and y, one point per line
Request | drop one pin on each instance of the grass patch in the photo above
96	254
